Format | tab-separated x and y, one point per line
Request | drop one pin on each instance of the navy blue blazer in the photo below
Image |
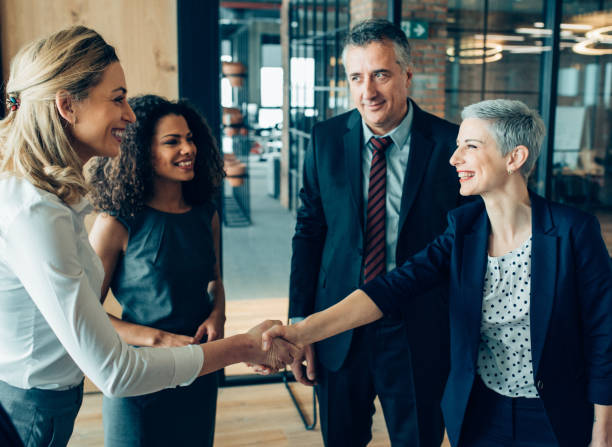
571	310
328	242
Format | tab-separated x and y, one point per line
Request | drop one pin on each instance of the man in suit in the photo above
366	207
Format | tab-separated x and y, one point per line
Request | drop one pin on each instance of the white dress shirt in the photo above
52	325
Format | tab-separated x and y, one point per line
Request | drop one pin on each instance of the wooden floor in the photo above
256	415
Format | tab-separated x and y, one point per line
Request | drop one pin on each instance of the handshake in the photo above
273	346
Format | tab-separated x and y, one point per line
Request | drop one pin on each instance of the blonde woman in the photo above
67	103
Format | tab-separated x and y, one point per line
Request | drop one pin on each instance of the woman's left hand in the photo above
212	327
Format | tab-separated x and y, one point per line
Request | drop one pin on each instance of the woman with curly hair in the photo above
158	238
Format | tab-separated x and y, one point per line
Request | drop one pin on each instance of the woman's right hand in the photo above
280	352
163	339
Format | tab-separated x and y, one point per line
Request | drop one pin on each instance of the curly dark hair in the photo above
122	185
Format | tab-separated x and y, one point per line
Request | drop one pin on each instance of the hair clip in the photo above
13	103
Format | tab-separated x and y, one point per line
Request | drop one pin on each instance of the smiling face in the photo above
101	118
479	163
378	85
173	151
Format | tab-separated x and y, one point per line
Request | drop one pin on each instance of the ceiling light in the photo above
585	48
526	49
576	26
534	31
597	36
476	54
504	37
601	34
542	32
571	26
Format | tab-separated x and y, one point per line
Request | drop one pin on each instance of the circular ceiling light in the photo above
476	54
595	37
601	34
586	48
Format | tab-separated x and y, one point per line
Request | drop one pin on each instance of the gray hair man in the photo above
377	187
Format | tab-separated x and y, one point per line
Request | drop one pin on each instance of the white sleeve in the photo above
42	250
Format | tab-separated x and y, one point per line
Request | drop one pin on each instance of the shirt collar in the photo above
399	135
82	207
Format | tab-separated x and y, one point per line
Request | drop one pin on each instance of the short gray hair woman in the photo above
530	285
512	124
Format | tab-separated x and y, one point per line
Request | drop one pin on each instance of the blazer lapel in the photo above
421	146
543	275
352	150
474	266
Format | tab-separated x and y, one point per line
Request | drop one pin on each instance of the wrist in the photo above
155	337
245	345
300	335
218	314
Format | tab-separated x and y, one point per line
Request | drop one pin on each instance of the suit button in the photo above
540	385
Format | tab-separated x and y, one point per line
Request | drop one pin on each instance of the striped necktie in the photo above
376	242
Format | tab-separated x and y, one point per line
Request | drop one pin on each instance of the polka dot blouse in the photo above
504	354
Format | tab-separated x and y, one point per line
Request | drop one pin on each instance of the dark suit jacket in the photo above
328	242
570	314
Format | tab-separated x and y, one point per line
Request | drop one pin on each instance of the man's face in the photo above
379	86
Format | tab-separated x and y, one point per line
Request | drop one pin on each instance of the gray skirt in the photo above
181	416
42	417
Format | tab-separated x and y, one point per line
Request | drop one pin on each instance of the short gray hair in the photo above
381	31
512	124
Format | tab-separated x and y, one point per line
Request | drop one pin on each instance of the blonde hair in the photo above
34	142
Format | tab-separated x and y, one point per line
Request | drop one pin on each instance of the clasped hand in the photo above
301	353
272	354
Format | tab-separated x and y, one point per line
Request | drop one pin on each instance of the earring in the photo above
510	172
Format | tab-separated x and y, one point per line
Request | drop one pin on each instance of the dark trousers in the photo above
8	433
493	420
42	418
379	363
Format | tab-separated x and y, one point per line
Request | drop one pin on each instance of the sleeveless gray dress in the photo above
161	282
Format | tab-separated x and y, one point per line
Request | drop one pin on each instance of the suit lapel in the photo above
421	146
543	275
474	266
352	150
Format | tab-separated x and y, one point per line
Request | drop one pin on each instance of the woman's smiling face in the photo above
101	118
173	151
478	160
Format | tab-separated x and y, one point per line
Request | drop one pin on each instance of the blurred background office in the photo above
264	71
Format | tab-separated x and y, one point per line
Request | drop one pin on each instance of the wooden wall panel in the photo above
143	32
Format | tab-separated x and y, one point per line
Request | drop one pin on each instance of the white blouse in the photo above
504	354
52	325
